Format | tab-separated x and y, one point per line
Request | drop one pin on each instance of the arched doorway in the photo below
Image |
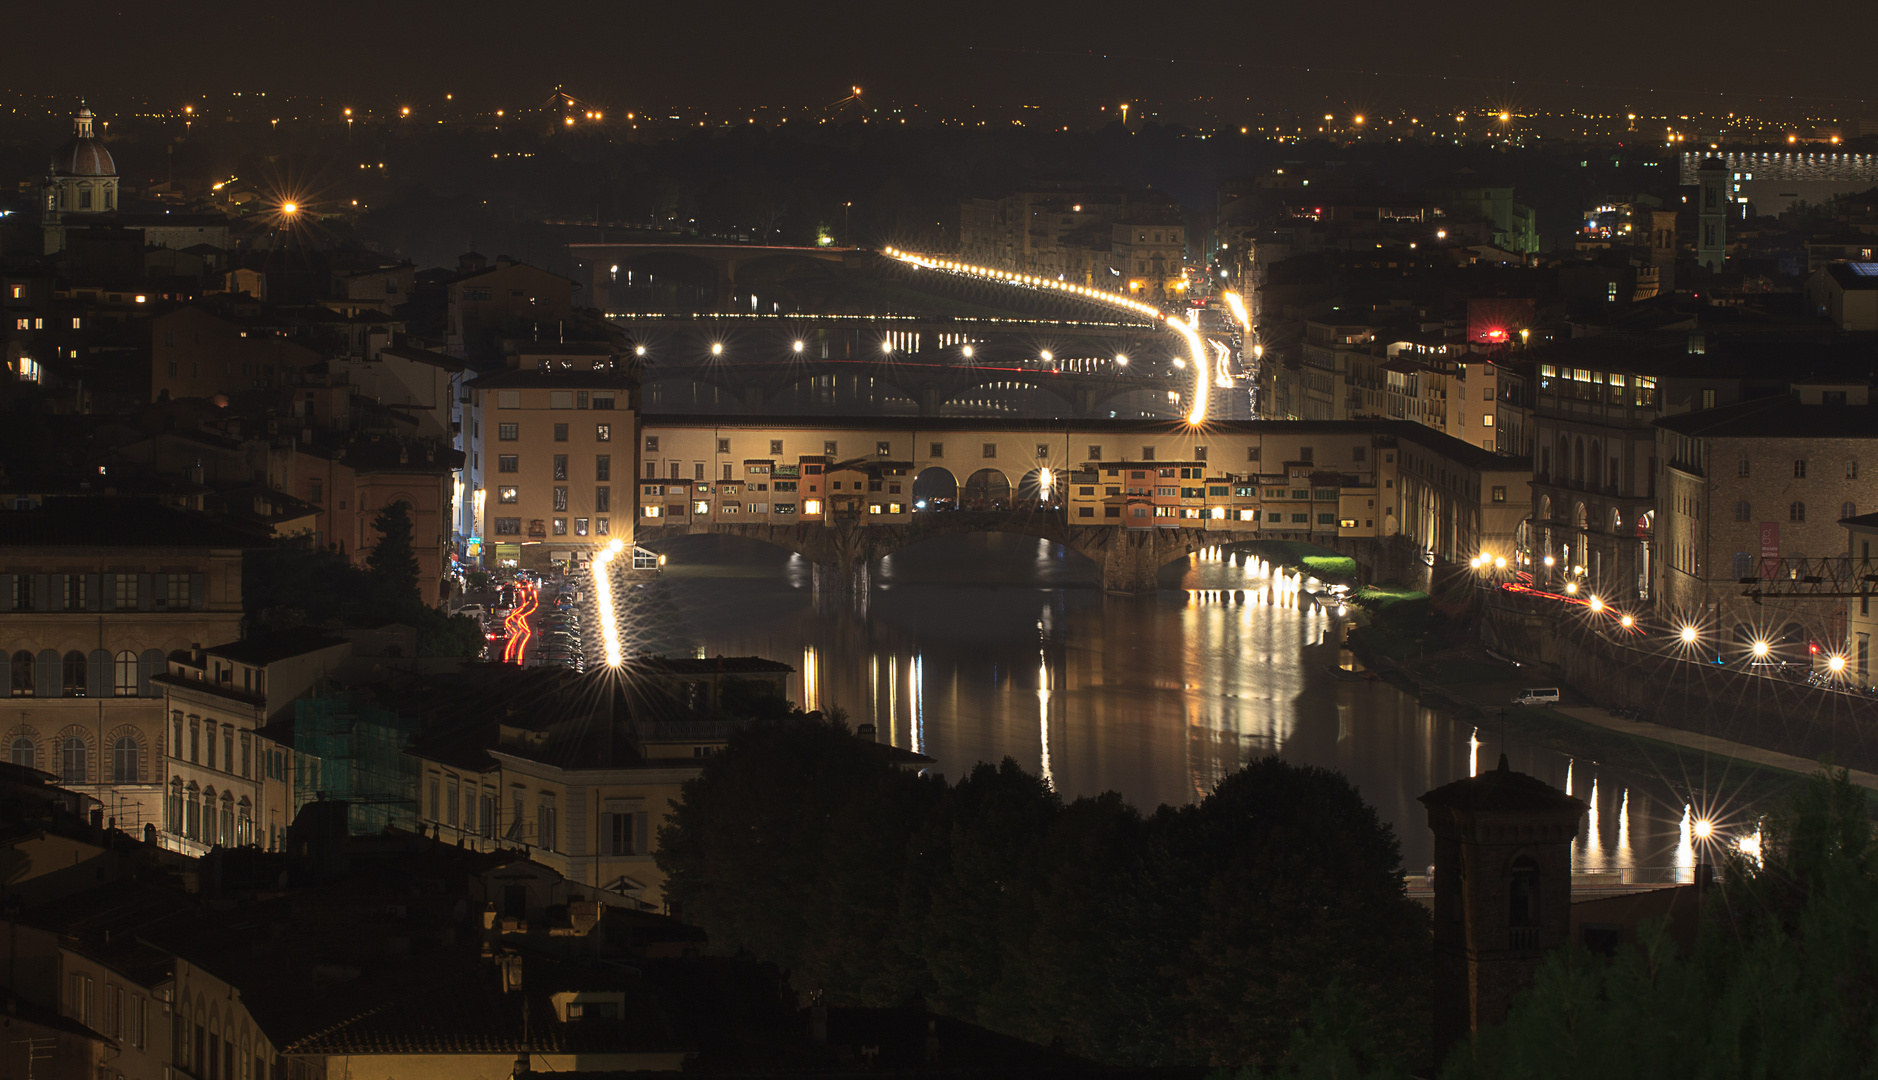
986	489
1033	492
935	489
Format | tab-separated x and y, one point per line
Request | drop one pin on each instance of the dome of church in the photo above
85	154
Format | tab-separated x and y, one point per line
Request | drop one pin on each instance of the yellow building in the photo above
231	777
95	594
581	770
552	459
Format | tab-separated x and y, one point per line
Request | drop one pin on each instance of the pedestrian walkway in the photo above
1706	743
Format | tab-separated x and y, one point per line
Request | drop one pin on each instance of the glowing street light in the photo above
1122	359
797	346
1596	604
1688	635
1761	649
1628	621
1499	563
717	348
1835	663
1046	481
1703	828
289	208
1571	587
639	350
966	352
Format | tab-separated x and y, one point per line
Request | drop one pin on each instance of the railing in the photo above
1522	937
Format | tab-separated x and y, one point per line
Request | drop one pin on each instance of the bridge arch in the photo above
680	391
1137	402
935	488
986	489
1007	397
840	393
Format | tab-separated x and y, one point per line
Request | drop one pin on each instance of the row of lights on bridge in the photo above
886	348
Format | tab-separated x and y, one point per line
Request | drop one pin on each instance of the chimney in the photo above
504	260
471	261
510	964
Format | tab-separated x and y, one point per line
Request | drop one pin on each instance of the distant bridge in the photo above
906	388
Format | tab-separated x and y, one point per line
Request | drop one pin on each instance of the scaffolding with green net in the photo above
347	749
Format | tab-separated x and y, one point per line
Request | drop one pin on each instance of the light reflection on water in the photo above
971	649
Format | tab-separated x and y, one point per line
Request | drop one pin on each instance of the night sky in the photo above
1067	57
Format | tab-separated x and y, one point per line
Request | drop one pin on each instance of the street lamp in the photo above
797	346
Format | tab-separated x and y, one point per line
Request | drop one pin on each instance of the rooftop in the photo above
280	645
1782	415
107	521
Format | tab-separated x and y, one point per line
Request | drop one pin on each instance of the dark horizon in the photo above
1215	59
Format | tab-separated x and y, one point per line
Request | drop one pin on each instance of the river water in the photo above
975	648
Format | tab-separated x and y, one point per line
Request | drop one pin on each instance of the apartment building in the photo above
552	457
95	595
1754	493
231	779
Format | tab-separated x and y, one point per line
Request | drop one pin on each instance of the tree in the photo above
393	562
1200	935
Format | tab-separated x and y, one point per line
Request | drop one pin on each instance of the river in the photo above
975	648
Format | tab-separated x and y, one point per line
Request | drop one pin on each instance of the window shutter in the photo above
94	591
50	680
98	674
6	592
198	591
639	834
149	665
146	592
42	592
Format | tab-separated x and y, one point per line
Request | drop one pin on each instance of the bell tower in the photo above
1663	250
1502	892
1711	219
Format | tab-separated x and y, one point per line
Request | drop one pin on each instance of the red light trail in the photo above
528	598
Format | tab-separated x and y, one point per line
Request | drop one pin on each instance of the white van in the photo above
1539	695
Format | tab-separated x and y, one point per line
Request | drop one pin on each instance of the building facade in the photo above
95	595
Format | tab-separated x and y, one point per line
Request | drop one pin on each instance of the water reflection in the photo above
975	648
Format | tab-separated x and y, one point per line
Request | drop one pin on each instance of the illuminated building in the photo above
553	454
82	184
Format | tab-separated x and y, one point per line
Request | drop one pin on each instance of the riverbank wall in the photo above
1618	670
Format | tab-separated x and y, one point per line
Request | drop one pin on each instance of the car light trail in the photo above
527	599
1223	356
603	594
1197	414
1201	372
1237	305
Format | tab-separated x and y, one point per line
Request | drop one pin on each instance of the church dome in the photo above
85	154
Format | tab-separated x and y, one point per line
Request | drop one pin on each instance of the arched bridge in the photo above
914	387
725	264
